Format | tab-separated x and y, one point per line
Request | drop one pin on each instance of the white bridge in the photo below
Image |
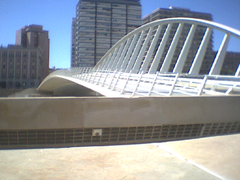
173	97
145	63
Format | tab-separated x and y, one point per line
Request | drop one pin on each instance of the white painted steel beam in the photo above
159	53
197	62
107	61
238	71
135	52
111	60
129	52
150	50
170	53
217	64
123	53
116	58
184	52
142	51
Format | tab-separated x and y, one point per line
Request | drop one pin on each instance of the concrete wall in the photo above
87	112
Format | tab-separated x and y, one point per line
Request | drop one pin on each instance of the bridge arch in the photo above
145	62
143	49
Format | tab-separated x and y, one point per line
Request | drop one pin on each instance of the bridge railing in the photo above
142	84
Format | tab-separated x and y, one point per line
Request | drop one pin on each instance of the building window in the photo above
18	53
17	75
33	54
4	53
10	84
17	85
3	75
3	85
25	54
11	53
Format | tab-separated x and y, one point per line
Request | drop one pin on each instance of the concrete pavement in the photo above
206	158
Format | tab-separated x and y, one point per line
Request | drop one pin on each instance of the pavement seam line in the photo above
186	160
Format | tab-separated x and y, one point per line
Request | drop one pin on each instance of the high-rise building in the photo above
231	63
20	67
73	40
172	12
98	25
33	36
25	64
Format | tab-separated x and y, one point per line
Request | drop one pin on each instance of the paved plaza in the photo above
205	158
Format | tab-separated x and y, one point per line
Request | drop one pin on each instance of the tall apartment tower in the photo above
33	36
98	25
172	12
73	39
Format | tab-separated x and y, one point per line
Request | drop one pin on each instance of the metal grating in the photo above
212	129
70	137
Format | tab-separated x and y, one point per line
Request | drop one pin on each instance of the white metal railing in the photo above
143	84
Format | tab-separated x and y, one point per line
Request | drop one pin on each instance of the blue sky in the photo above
56	17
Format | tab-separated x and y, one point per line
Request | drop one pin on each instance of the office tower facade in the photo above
20	67
98	25
231	62
25	64
73	40
172	12
33	36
